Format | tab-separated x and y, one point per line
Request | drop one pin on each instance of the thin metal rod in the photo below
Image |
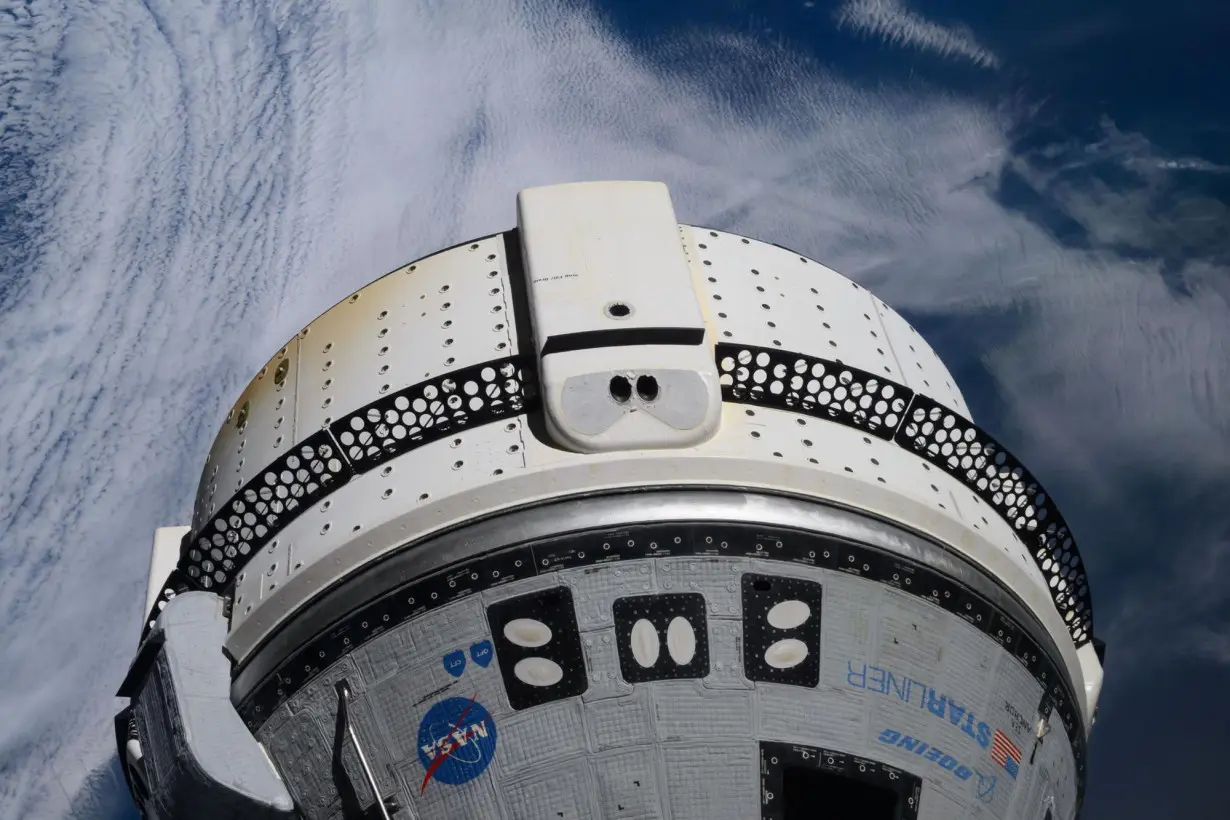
343	705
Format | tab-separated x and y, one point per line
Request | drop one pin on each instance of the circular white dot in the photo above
644	643
538	671
527	632
789	614
786	653
681	640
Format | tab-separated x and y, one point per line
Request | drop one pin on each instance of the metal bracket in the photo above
343	714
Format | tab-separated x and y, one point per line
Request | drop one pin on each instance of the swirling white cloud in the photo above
893	22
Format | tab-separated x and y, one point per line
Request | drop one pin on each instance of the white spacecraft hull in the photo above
612	517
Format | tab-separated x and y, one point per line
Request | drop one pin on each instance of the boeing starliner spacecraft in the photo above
611	517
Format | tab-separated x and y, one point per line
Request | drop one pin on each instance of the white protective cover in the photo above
614	307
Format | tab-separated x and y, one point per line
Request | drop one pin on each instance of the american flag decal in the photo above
1005	753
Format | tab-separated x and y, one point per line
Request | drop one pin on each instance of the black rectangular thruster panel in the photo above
623	337
660	611
554	608
798	782
761	593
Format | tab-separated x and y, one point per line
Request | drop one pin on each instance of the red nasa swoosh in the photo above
442	756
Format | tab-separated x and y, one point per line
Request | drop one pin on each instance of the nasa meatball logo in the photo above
457	741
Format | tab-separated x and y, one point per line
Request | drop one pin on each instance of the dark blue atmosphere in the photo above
1042	188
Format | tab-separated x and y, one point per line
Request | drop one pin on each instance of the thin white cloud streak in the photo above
892	22
206	182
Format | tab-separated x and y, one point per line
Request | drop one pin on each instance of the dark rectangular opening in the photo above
814	794
623	337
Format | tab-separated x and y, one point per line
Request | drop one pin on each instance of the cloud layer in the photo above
184	187
892	22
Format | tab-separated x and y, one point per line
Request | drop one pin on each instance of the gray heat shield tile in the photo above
442	630
685	709
716	578
618	722
602	661
471	801
595	587
306	760
827	716
711	780
551	732
322	692
726	656
628	787
399	702
560	792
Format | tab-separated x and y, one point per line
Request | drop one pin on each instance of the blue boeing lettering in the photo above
913	745
986	787
884	682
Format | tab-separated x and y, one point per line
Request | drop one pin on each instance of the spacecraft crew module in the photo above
611	517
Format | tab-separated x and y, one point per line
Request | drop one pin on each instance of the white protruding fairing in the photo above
624	354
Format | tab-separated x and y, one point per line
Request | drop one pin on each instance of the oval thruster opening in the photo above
681	641
645	643
538	671
789	614
527	632
786	654
621	389
647	388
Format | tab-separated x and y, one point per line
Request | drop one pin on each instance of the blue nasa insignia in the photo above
457	741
